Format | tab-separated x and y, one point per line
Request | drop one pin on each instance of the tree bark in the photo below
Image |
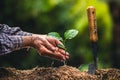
115	54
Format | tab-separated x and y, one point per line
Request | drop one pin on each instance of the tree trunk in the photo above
115	12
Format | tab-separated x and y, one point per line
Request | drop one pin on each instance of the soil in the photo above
60	73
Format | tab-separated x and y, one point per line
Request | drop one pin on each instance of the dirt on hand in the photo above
60	73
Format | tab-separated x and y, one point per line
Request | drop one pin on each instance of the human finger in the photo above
65	53
49	45
62	52
43	50
46	52
54	41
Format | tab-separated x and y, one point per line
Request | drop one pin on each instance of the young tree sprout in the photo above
69	34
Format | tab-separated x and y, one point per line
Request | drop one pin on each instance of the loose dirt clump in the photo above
60	73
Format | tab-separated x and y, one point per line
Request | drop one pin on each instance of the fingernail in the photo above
53	48
67	57
67	53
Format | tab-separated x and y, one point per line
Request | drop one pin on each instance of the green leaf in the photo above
83	67
61	46
69	34
55	35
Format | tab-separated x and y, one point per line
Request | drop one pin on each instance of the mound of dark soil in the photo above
61	73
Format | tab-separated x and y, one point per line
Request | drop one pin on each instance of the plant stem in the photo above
64	62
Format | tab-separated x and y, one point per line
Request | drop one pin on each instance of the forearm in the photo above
27	41
10	43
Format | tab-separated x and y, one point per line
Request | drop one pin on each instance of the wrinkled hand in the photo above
48	46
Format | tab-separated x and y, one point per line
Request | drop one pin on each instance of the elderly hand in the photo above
47	46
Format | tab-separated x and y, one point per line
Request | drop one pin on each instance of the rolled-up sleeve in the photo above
9	43
11	38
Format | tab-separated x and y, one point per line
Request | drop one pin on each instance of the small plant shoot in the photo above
55	35
69	34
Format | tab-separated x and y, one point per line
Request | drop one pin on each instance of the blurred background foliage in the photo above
44	16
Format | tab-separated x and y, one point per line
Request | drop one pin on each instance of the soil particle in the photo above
60	73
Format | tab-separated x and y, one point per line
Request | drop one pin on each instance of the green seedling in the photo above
69	34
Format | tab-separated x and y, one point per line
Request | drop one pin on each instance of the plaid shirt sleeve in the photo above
11	38
13	30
